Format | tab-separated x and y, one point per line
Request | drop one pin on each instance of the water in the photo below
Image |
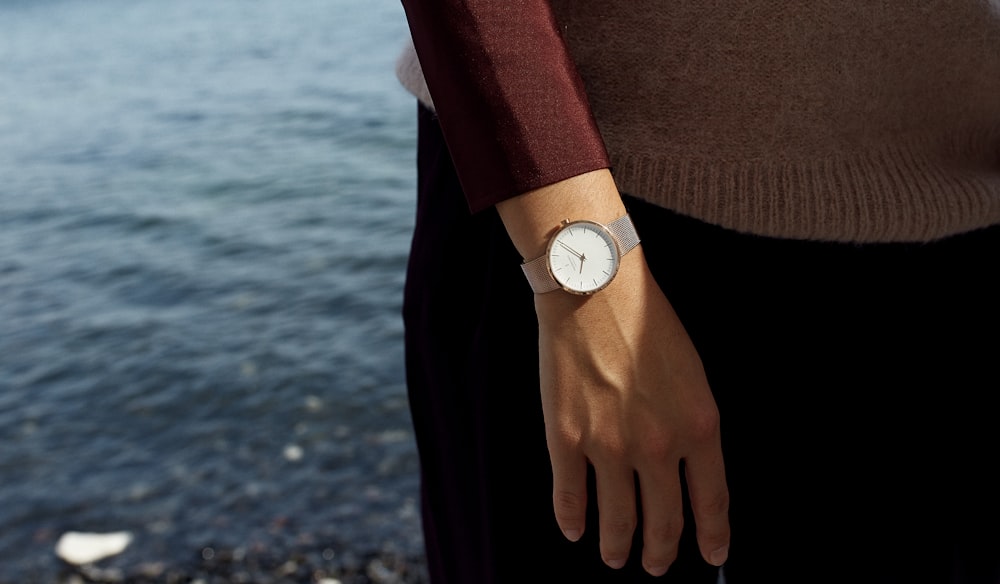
205	208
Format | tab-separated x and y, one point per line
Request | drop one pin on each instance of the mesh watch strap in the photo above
624	231
537	273
537	270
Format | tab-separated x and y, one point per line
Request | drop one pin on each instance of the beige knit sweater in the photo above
841	120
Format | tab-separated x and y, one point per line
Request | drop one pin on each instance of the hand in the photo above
623	388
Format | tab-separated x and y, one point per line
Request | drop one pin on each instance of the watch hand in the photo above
583	258
571	250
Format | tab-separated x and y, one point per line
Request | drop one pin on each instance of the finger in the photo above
706	480
616	511
662	517
569	488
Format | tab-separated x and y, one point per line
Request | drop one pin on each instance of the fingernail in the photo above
572	534
616	564
657	570
719	556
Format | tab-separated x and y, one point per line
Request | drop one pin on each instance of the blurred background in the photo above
205	209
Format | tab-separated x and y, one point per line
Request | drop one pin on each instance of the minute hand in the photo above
571	250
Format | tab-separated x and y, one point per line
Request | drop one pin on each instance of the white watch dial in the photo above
583	257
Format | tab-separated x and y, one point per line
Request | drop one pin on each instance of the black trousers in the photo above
856	386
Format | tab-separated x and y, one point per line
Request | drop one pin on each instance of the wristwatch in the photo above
582	256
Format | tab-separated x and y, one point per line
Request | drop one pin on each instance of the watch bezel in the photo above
600	227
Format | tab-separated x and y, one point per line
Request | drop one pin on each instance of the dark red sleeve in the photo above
511	104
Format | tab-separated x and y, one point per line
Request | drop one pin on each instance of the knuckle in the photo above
665	534
565	433
657	446
618	528
568	504
715	504
705	424
609	447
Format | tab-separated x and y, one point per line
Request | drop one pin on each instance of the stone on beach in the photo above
79	548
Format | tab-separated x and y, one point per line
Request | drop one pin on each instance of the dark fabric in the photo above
855	385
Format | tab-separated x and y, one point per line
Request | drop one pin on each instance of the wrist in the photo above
630	284
532	218
582	257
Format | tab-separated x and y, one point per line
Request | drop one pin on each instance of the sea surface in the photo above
205	209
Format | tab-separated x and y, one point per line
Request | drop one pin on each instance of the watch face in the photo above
583	257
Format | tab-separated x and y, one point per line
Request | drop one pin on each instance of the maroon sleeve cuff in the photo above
511	104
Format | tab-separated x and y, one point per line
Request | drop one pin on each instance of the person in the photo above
788	366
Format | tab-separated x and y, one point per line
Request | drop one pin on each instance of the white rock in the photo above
293	453
79	548
314	403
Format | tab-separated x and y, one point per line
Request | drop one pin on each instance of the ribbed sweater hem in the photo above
889	194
